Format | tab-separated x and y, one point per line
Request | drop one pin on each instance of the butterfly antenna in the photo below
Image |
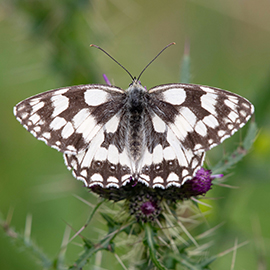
92	45
173	43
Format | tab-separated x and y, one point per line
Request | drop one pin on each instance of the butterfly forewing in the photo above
69	118
201	117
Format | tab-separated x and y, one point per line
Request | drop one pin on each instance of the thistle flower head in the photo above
145	208
144	202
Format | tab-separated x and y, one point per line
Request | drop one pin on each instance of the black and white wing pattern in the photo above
110	136
67	119
200	116
185	121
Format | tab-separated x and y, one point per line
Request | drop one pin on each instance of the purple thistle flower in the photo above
199	184
106	79
145	207
148	207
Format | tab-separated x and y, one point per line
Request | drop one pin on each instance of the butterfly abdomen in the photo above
136	110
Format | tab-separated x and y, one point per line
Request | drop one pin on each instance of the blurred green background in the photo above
45	45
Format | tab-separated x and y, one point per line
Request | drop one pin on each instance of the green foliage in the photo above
63	26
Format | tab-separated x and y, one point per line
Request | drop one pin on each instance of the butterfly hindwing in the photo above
68	118
165	161
106	161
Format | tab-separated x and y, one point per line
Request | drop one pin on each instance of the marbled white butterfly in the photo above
110	136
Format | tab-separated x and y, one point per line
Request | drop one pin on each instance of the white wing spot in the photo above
189	154
211	121
157	154
147	158
181	127
34	118
201	129
60	104
74	164
71	148
169	153
184	173
24	115
233	116
85	124
112	185
37	129
41	122
174	142
101	154
46	135
175	184
67	131
112	124
197	146
145	177
42	139
189	115
83	173
241	125
97	177
230	126
158	179
57	123
207	89
112	179
37	106
92	149
221	133
80	117
158	124
194	163
113	154
61	91
230	104
208	102
125	179
246	105
175	96
95	97
243	113
213	145
172	177
224	137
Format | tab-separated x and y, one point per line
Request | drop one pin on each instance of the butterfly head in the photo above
136	86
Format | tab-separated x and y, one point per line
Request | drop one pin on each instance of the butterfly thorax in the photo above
135	108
